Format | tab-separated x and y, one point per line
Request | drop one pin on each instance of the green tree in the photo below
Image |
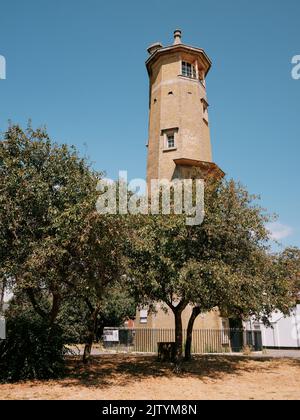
289	265
117	306
42	184
99	265
232	260
53	244
31	350
221	263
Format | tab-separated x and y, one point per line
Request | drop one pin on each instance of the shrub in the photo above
32	350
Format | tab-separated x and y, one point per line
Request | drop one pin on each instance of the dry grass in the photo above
142	377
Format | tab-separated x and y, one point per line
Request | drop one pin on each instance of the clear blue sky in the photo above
78	67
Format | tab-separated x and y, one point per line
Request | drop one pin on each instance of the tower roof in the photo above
157	50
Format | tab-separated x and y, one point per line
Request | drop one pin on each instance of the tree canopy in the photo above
224	262
55	249
53	243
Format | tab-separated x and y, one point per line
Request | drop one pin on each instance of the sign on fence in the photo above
111	336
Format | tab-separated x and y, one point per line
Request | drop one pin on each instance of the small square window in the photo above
189	70
170	141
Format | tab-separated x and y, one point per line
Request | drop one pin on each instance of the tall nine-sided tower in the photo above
179	136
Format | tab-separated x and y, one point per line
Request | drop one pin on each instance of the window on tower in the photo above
170	141
188	70
169	137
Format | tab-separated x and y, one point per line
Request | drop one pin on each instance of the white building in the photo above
284	332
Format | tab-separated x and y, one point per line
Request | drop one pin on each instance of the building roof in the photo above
177	48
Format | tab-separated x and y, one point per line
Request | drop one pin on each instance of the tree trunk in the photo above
56	302
178	336
35	304
189	333
91	336
2	292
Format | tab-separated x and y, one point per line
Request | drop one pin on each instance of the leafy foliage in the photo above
289	265
68	262
46	190
117	306
53	244
33	349
224	262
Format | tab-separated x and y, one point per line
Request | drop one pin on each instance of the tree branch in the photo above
89	304
36	307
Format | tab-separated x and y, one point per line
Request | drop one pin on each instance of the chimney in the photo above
154	47
177	37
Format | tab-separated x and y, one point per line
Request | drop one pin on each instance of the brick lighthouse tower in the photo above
179	144
179	135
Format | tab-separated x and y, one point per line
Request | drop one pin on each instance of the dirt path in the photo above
142	377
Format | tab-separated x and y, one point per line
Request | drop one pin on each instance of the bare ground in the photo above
124	377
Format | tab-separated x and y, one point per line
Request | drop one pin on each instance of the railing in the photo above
145	340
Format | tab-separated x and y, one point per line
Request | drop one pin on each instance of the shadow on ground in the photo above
120	370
